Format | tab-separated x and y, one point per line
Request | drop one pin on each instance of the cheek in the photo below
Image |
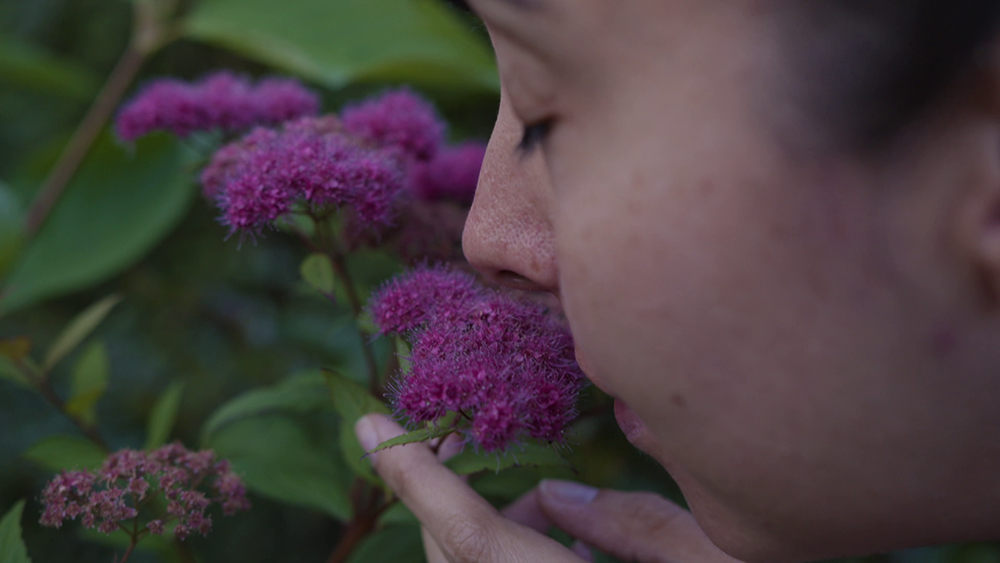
737	312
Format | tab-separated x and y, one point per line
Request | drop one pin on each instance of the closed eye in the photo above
534	135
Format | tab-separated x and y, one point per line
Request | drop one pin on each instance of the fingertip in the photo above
582	550
366	432
559	492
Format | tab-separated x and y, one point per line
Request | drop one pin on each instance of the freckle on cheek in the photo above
678	400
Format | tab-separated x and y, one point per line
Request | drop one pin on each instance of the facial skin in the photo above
808	341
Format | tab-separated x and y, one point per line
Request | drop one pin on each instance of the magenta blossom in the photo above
221	101
111	497
505	366
452	174
400	119
307	166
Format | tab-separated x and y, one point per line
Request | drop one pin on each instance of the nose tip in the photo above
508	234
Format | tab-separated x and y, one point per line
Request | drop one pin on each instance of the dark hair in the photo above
869	67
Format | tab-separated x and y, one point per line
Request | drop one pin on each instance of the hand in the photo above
460	526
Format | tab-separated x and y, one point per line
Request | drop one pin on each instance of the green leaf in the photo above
12	548
162	546
62	452
117	207
351	402
392	544
403	353
289	459
11	235
317	270
528	455
337	42
164	415
31	68
89	381
78	329
421	435
298	394
10	372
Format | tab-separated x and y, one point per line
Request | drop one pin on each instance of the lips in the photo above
629	422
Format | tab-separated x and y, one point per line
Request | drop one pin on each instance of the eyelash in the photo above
534	135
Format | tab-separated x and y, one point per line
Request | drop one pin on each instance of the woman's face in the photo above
775	324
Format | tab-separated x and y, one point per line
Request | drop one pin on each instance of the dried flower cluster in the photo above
129	480
221	100
505	366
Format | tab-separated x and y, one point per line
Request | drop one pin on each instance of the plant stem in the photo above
48	393
360	526
328	242
83	139
128	552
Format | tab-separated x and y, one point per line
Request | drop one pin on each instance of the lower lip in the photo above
628	421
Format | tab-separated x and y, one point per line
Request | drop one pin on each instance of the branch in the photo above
83	139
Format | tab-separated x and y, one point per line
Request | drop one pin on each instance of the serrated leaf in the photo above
421	435
299	394
63	452
79	329
164	415
352	401
289	459
528	455
119	205
88	382
338	42
317	270
12	548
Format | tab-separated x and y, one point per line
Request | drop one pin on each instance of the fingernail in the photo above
582	550
567	492
364	429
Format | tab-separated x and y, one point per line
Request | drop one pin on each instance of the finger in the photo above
431	548
582	550
462	523
630	526
527	512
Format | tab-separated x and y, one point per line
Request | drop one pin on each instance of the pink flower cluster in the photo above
219	101
130	479
453	174
505	366
381	150
309	165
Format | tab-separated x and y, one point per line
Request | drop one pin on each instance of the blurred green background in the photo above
198	310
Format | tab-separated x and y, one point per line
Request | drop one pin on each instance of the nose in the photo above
508	234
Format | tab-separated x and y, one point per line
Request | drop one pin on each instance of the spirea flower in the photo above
221	100
309	164
452	174
188	481
397	118
506	366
